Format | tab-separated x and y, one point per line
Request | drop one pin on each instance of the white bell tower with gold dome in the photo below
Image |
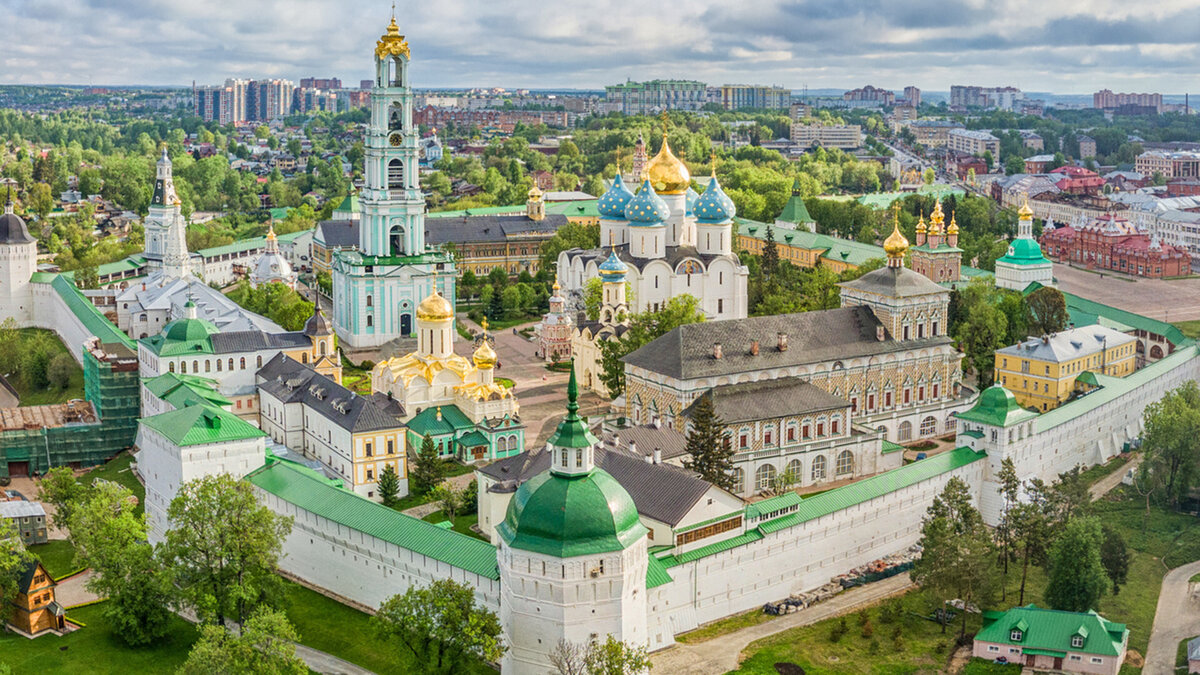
376	288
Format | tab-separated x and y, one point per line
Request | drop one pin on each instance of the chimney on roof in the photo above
754	347
632	447
879	334
657	422
717	350
658	455
649	459
782	341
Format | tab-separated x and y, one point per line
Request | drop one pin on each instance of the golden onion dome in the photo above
435	308
921	225
535	192
896	244
953	229
667	174
484	356
1025	212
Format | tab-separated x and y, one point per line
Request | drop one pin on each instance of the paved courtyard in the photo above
1170	301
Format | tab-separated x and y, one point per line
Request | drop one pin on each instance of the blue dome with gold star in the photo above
690	198
613	269
714	206
612	203
647	208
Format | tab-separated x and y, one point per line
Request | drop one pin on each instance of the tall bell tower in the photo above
376	288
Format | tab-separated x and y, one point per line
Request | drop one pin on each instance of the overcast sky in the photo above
1037	45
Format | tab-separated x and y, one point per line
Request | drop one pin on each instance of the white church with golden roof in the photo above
455	401
673	240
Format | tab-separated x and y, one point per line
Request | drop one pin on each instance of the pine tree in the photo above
388	485
427	471
770	258
709	453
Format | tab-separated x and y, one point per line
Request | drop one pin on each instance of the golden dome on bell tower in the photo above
668	175
896	244
435	308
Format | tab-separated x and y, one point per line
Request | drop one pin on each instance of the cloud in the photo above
1033	44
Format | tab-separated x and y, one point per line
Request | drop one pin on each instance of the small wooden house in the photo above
34	609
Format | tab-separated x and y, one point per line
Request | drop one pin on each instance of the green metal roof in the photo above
795	211
87	313
200	424
1024	252
567	516
429	422
475	438
584	208
772	505
712	549
834	248
377	520
1084	312
996	407
656	573
332	482
184	390
181	337
348	205
874	487
1049	632
883	200
890	447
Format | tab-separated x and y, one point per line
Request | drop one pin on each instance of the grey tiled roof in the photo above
21	509
646	438
338	233
293	382
813	337
769	399
248	341
663	492
466	229
895	282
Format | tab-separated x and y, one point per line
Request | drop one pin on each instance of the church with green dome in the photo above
1024	263
572	552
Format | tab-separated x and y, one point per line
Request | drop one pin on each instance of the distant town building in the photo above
243	101
1171	164
1105	99
1032	140
320	83
912	96
933	133
1087	146
1037	163
870	93
1112	242
1003	98
641	98
736	96
829	136
973	142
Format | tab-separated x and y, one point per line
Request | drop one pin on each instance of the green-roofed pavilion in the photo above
996	407
202	424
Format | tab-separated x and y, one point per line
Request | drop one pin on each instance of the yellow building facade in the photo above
1042	372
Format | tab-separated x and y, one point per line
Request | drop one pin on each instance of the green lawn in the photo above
1190	328
1099	471
96	649
45	396
356	379
117	470
57	557
462	524
724	626
345	632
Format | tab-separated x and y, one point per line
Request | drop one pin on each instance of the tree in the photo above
770	256
450	499
593	297
1010	490
614	657
60	489
709	452
929	175
427	471
982	328
110	538
1070	496
644	327
1172	427
1046	311
1076	577
223	548
59	371
440	627
1032	528
1115	557
41	200
14	559
388	485
266	645
1014	165
958	559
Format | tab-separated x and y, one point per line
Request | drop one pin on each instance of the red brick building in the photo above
1077	180
1183	187
1111	242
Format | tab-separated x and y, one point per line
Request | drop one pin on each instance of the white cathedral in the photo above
673	240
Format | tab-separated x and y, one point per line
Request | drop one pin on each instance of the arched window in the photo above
183	366
764	477
171	367
304	357
845	463
242	364
369	300
258	363
928	426
321	348
370	321
195	366
218	365
231	364
207	365
739	481
395	175
795	471
818	468
904	431
951	424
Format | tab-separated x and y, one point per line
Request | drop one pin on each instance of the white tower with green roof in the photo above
1024	262
377	287
572	554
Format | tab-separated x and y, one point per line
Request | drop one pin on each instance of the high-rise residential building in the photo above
1105	99
213	104
273	98
737	96
641	98
973	142
913	96
320	83
241	100
870	93
1003	98
237	90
